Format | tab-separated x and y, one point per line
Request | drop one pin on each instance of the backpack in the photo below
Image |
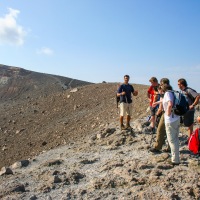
180	104
117	97
189	94
194	141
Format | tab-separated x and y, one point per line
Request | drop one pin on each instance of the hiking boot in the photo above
128	126
123	127
166	150
147	123
186	142
151	130
173	163
153	150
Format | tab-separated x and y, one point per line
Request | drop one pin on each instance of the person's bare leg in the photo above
190	130
121	123
128	119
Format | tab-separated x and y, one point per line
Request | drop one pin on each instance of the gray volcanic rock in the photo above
102	170
66	144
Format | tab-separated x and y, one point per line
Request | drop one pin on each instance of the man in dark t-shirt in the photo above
193	99
125	92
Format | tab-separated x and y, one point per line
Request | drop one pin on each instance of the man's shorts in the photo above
125	109
188	118
153	110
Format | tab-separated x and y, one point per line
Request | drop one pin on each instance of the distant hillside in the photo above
19	83
41	111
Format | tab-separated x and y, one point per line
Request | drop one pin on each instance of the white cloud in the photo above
46	51
10	31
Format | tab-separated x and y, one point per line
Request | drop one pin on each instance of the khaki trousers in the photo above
160	134
172	130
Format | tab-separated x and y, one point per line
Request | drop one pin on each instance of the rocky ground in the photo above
66	144
107	164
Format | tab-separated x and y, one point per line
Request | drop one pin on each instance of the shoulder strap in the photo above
191	89
172	91
189	94
122	85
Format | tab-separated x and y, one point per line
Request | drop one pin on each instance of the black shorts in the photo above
188	118
153	110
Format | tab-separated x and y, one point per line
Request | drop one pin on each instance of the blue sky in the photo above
102	40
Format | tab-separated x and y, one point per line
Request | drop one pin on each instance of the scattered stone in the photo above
93	137
53	162
5	171
146	166
87	161
74	90
99	136
160	157
17	188
165	166
4	148
44	143
55	179
33	197
19	164
75	177
19	131
55	172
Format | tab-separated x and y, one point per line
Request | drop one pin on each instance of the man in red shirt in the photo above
150	95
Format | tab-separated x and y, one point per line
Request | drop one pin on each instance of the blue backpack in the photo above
180	104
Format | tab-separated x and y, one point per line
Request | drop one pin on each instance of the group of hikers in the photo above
161	98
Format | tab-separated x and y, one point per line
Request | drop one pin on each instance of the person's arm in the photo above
149	94
160	108
155	97
198	119
156	103
196	101
120	91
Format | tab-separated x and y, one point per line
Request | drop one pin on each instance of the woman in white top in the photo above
172	123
